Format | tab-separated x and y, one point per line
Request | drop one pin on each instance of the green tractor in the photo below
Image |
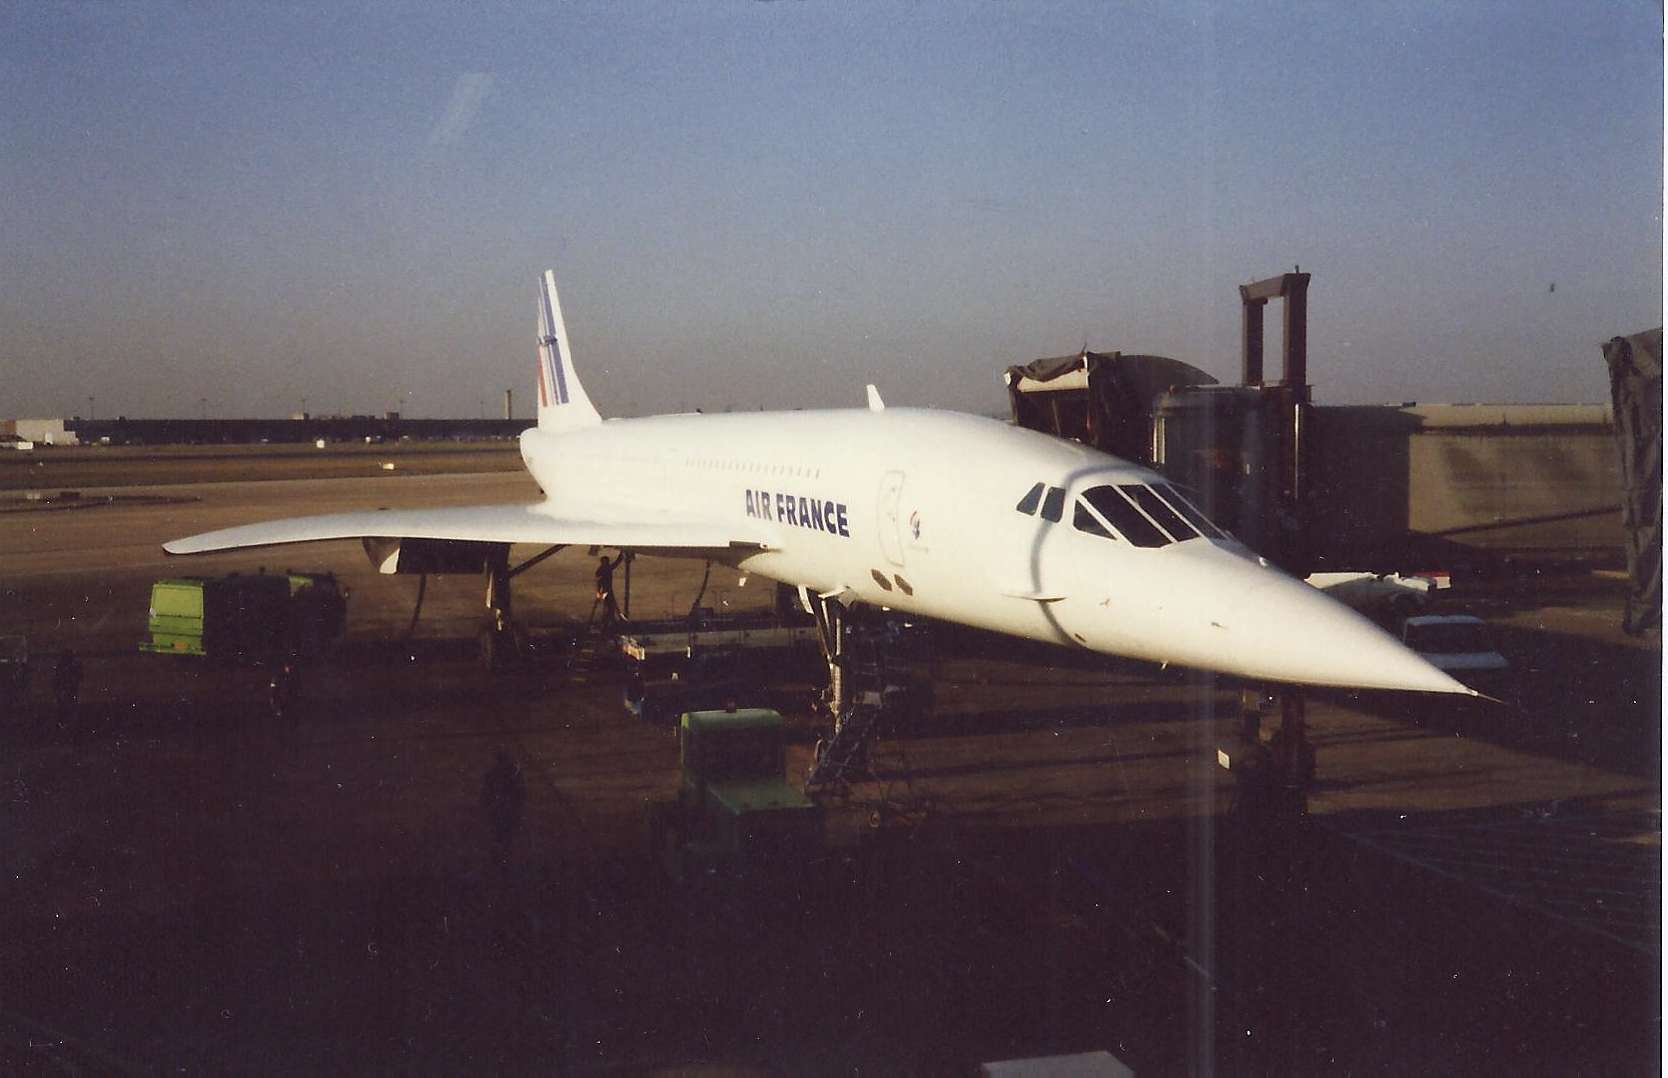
736	816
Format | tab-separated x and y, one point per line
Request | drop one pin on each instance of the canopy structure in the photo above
1636	397
1100	399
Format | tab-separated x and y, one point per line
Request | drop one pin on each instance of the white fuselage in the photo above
918	510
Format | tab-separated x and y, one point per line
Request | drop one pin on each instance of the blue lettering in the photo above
828	516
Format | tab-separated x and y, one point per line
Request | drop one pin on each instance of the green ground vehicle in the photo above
242	618
735	816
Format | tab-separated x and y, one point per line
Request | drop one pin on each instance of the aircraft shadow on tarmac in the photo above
1579	699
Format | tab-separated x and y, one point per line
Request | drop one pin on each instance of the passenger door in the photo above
891	541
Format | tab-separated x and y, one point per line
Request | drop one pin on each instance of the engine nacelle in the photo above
392	556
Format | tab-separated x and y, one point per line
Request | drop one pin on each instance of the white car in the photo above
1464	647
1386	598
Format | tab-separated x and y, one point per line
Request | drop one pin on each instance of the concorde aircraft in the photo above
927	512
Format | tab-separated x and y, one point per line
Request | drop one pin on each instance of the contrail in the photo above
471	89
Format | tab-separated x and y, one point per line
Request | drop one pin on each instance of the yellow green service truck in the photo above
736	816
245	618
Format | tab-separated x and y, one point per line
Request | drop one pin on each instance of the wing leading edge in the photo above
530	522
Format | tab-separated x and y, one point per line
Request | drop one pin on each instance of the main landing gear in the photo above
503	642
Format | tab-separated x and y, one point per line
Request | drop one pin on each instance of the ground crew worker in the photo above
605	590
502	796
282	688
66	682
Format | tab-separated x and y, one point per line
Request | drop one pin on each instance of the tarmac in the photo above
1053	863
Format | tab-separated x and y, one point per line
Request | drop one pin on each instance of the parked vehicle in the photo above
1464	647
736	816
246	619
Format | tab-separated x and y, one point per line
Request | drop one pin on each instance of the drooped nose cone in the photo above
1284	630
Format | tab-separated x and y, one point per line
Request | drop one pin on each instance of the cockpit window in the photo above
1028	504
1054	504
1085	520
1117	511
1146	516
1162	514
1187	509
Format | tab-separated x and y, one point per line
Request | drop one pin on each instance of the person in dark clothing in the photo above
502	797
283	690
605	590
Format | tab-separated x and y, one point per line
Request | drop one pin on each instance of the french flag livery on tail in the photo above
932	513
563	404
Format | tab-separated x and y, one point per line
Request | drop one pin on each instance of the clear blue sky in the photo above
773	203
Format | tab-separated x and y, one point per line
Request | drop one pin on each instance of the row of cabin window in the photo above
1144	516
741	466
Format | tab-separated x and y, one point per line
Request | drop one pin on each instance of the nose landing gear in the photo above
1272	775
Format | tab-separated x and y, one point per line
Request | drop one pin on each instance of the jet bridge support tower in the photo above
1284	514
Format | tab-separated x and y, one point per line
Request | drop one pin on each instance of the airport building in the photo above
28	433
388	427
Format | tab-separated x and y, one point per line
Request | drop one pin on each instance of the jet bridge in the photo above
1380	488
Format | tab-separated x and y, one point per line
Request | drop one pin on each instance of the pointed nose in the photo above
1285	630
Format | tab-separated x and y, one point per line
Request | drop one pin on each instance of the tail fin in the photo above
563	403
